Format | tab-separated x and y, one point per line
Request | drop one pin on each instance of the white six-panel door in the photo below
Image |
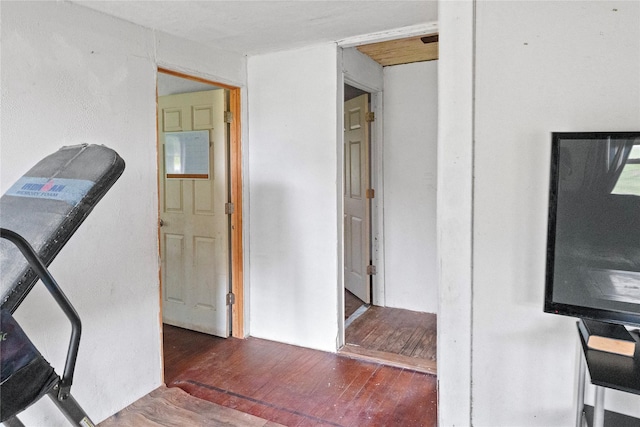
194	240
356	204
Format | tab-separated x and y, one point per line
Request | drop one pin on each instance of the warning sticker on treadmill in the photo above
70	191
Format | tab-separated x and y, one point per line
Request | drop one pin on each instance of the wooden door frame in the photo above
235	177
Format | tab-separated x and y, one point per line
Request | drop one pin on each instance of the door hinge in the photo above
228	117
370	193
370	116
229	208
371	270
231	298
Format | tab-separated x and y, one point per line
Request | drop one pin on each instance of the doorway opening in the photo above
402	174
358	266
200	204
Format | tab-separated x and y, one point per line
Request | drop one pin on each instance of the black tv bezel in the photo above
550	306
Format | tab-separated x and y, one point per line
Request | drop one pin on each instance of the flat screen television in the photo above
593	241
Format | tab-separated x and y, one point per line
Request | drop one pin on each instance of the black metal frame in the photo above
551	306
61	392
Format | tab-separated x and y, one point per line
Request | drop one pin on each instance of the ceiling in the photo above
254	27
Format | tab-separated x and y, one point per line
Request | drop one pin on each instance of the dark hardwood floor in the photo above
295	386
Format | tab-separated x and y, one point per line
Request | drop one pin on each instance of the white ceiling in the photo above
252	27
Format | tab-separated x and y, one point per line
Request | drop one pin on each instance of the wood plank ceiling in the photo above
403	51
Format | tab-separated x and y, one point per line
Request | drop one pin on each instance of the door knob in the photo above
161	223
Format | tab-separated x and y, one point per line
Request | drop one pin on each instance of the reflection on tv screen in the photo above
597	225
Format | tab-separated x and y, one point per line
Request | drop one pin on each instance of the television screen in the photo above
593	242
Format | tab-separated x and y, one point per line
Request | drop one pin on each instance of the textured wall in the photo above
69	76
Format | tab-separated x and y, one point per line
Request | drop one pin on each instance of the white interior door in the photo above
356	204
194	239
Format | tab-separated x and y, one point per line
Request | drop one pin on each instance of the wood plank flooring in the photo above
351	303
295	386
399	337
174	407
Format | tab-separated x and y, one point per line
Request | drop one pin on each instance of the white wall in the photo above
293	194
70	75
410	169
540	67
455	211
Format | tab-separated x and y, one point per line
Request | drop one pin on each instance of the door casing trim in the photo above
235	177
377	203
